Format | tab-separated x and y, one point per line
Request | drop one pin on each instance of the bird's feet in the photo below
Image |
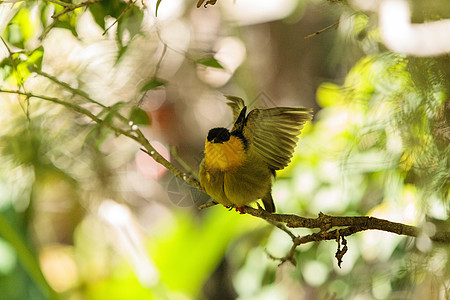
240	210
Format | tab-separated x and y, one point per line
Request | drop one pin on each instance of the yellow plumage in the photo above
225	156
239	166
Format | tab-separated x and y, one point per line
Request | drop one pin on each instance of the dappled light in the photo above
105	109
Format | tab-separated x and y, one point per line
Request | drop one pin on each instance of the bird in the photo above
239	165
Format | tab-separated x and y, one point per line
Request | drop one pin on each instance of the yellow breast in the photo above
224	156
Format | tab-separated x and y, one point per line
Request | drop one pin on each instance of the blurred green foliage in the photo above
382	156
379	145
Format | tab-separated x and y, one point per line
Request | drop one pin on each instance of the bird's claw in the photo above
240	210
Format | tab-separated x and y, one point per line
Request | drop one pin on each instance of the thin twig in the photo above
66	86
71	7
282	227
78	92
65	4
185	165
68	7
206	205
72	106
163	54
336	24
19	79
130	4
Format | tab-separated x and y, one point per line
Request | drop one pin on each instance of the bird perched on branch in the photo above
239	165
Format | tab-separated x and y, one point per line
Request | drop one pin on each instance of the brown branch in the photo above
135	134
325	223
68	7
352	224
64	4
208	2
336	24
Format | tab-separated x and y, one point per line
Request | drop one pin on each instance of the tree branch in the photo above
134	134
352	224
70	6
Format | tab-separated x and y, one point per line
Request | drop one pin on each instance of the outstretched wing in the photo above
273	133
236	104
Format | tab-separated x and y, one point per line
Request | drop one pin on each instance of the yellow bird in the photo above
239	165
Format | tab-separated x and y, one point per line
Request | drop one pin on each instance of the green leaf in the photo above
5	68
157	6
65	24
130	21
100	10
100	133
139	117
111	112
121	52
28	260
36	56
17	67
202	241
97	135
329	94
44	12
14	36
210	62
153	84
98	13
20	28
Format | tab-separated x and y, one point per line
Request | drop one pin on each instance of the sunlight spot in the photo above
230	52
59	267
394	142
399	35
381	287
437	208
147	166
337	122
127	238
248	12
305	182
329	199
315	273
423	243
8	257
167	10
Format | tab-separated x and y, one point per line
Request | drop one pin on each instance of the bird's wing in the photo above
273	133
236	104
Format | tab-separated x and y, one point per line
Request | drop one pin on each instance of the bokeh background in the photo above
84	214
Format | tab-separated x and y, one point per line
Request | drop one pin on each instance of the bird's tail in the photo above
268	203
